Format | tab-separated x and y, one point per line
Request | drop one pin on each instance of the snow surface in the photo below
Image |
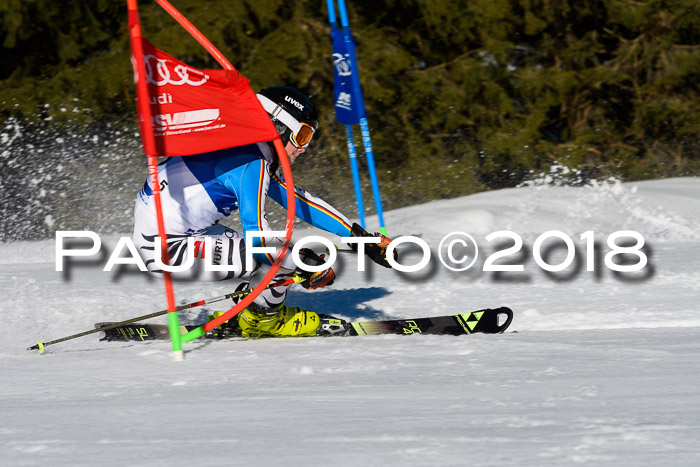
598	368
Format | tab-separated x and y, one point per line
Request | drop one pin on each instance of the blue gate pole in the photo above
351	145
355	175
372	173
366	141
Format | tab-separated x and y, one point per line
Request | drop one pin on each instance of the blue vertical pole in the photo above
355	175
343	14
331	11
351	145
369	154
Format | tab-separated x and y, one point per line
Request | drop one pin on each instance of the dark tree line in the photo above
461	96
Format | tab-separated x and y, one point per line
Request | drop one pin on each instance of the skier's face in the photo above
293	152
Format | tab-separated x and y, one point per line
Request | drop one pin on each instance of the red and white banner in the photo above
195	111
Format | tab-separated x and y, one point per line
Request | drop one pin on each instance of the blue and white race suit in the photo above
198	191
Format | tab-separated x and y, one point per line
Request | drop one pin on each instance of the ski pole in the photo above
40	345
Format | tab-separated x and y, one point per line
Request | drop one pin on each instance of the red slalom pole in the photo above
149	147
282	155
286	170
194	32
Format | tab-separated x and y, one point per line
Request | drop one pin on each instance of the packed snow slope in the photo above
598	367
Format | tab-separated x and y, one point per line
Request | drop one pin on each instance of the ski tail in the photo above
138	332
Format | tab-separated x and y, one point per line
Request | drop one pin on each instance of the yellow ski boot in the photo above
282	321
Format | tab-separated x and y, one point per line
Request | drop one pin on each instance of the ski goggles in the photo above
301	132
302	137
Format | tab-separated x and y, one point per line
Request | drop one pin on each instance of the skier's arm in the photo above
311	209
322	215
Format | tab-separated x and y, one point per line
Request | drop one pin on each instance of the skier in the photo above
198	191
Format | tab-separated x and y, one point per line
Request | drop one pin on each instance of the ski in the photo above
486	321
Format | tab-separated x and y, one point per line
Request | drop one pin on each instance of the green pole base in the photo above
174	325
193	334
